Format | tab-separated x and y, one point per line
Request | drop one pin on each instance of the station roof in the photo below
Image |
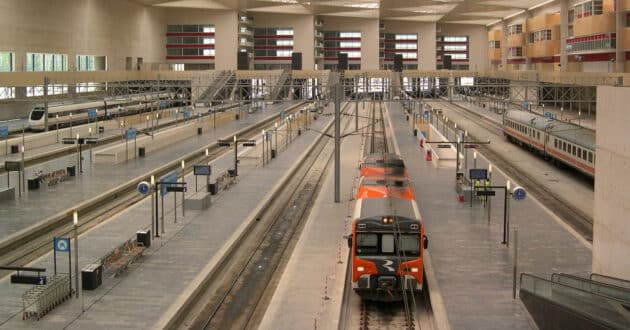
480	12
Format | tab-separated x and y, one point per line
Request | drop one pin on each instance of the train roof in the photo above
379	207
568	131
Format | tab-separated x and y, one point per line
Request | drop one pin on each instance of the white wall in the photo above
370	34
611	228
226	35
303	33
478	42
113	28
426	39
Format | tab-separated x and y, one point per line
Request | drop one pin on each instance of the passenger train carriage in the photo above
563	142
64	114
390	164
387	246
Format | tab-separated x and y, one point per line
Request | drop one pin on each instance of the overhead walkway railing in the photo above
553	304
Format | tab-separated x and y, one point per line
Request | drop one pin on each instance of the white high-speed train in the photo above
63	114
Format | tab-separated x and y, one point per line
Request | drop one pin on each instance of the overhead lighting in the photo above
368	5
541	4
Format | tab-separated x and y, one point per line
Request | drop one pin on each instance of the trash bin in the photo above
199	130
213	189
92	276
144	238
101	129
232	173
33	184
142	151
15	148
237	116
415	132
299	131
273	153
407	117
71	170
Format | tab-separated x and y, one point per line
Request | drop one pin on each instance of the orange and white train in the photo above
387	241
559	141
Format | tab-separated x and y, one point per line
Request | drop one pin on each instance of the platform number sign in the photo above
62	244
519	193
4	131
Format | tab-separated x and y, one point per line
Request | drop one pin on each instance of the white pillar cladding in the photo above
620	29
611	223
504	44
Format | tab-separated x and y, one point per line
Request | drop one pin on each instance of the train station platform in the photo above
37	205
310	291
472	267
148	290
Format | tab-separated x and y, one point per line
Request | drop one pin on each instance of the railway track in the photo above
34	241
101	142
578	220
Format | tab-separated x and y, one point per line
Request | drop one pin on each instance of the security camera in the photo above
612	60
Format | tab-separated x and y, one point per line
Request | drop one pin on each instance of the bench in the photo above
225	180
52	178
121	257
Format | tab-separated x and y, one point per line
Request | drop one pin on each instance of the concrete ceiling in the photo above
444	11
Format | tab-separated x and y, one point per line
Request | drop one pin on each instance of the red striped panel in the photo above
203	46
401	50
190	34
274	47
341	49
341	39
260	36
189	57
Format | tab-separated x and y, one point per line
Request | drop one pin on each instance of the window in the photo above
86	87
177	67
455	38
284	53
387	243
406	37
555	143
46	62
284	32
409	55
515	52
515	29
349	44
573	147
588	8
590	157
541	35
494	44
7	62
564	146
7	93
284	42
349	34
367	243
455	47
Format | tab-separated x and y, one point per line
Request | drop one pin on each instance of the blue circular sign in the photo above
519	193
144	187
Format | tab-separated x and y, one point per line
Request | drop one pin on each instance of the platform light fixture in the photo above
183	164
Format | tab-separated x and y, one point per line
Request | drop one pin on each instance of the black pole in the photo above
505	215
55	256
235	158
70	266
157	222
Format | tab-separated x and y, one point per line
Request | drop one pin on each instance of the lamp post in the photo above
23	178
70	124
183	192
57	125
506	210
153	213
488	197
75	221
263	147
275	131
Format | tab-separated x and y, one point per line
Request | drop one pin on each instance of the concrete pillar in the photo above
504	47
564	33
528	60
620	28
611	233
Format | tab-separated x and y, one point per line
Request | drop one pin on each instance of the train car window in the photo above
584	154
590	157
579	152
538	135
409	244
573	147
564	146
555	143
367	243
387	243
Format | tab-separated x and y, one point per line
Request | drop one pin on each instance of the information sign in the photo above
130	134
485	193
202	169
4	131
62	244
478	174
176	188
12	166
162	104
186	114
92	113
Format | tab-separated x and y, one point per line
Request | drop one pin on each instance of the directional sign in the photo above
425	114
186	114
144	187
165	180
4	131
519	193
470	146
62	244
162	104
485	193
443	146
92	113
130	134
176	188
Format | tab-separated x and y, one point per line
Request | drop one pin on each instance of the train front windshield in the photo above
37	113
388	244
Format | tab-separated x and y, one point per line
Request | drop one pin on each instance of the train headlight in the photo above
414	269
360	269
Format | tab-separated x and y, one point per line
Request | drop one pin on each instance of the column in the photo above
620	28
564	33
504	45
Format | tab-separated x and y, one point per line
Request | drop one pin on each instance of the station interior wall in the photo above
370	34
426	39
303	33
611	224
477	42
